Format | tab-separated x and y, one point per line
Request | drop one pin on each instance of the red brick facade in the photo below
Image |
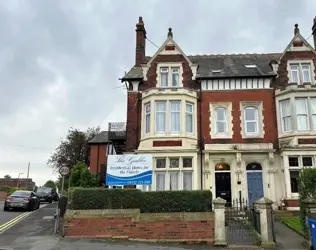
283	79
98	153
172	228
237	96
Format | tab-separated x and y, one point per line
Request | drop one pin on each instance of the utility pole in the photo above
28	173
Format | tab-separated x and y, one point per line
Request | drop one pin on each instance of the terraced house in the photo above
214	121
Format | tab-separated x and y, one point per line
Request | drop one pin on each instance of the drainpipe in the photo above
201	136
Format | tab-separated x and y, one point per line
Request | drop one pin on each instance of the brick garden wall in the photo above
3	195
130	224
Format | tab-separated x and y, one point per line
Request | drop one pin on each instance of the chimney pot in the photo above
140	42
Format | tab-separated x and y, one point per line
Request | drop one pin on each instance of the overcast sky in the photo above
60	60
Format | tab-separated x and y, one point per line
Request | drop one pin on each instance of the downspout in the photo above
201	136
98	173
137	122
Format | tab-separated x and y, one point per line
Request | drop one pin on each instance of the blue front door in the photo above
255	186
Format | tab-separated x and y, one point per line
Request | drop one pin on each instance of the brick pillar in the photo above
264	205
220	231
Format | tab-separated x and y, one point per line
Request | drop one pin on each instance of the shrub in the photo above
176	201
307	188
99	198
10	190
147	202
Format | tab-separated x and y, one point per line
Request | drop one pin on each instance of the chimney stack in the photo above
140	42
314	32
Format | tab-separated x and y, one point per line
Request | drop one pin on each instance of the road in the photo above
7	216
35	232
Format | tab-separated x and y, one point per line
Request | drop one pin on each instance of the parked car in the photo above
46	194
22	199
55	196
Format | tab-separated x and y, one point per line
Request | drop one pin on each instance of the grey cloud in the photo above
60	60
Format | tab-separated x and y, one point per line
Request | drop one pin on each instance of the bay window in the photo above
189	117
301	114
168	117
313	112
285	113
174	173
160	120
147	118
175	121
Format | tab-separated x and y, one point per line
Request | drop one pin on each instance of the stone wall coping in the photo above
137	216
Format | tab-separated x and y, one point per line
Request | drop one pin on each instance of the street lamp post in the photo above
17	184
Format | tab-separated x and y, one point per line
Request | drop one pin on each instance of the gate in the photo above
242	223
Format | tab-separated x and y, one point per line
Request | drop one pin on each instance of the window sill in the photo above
218	136
254	136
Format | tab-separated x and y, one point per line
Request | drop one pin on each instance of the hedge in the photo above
147	202
10	190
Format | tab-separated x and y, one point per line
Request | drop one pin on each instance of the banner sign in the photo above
129	170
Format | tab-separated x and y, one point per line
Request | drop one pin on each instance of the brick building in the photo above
212	121
17	182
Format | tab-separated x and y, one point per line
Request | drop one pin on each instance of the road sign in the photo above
64	170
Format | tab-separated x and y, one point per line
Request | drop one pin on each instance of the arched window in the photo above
221	120
222	167
251	120
253	167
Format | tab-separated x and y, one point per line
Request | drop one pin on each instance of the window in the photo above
251	66
160	117
176	175
306	72
313	112
294	178
169	80
221	120
187	180
293	162
160	181
189	118
301	114
251	120
164	75
175	77
300	73
285	112
174	180
307	161
147	118
294	73
175	121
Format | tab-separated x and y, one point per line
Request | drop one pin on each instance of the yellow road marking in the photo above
14	221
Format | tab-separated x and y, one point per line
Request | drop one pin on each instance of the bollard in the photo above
62	205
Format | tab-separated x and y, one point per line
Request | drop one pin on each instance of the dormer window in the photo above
216	71
300	73
169	77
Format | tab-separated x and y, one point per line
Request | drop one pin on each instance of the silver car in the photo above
22	199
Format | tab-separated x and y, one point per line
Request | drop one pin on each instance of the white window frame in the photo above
282	116
147	114
165	112
305	115
313	126
256	121
259	121
229	124
299	64
167	171
164	70
221	121
170	116
308	70
171	69
175	71
189	113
